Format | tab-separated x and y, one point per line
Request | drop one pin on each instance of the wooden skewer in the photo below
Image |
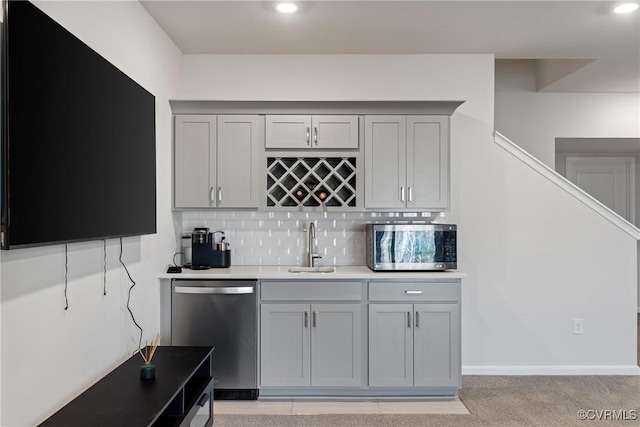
156	342
139	350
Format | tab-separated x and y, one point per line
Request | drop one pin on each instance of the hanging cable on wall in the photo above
104	265
129	297
66	274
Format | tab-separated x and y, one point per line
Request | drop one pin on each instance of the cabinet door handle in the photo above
306	319
203	399
313	320
308	135
413	292
417	319
410	195
315	135
408	319
212	196
402	194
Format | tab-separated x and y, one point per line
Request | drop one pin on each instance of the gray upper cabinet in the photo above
407	162
239	161
302	132
385	155
217	161
194	161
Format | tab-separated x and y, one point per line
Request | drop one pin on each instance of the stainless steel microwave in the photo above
411	247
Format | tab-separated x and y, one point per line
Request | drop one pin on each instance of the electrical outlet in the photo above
578	326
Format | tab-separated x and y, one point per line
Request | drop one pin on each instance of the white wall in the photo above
534	255
49	355
533	120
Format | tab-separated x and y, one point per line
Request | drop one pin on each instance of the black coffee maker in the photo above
201	240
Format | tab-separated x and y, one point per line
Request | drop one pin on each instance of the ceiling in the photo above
603	48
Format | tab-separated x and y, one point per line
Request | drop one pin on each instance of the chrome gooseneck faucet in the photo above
311	255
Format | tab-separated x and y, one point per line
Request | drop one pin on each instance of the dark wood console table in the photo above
181	391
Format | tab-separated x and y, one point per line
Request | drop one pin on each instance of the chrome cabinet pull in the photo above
212	196
408	319
402	194
219	194
413	292
410	195
315	135
314	319
306	319
308	135
417	319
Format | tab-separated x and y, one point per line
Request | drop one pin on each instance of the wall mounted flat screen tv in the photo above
78	139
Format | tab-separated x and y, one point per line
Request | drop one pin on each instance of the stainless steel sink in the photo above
312	270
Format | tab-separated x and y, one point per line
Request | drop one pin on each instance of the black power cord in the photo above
66	276
104	265
129	297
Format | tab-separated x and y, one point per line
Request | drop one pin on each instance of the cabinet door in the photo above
428	162
436	345
286	131
334	132
385	162
284	345
239	142
335	345
390	345
195	160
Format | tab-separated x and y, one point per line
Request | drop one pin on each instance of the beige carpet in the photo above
491	401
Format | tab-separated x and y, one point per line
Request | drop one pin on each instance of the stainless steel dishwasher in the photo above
222	314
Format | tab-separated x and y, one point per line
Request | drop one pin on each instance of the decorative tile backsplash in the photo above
280	238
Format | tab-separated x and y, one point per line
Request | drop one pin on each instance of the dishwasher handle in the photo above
211	290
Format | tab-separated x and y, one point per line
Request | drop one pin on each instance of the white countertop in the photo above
282	272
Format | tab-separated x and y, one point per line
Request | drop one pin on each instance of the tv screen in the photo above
78	139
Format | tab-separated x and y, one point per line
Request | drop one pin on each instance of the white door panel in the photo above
611	180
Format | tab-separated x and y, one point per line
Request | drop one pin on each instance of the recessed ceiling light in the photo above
286	7
626	8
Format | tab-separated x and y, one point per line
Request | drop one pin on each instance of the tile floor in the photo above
307	407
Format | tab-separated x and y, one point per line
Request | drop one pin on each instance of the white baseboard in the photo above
552	370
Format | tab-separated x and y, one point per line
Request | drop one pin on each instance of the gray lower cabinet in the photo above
284	345
217	161
414	334
322	338
407	162
310	344
414	345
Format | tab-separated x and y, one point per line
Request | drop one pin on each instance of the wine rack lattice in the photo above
311	181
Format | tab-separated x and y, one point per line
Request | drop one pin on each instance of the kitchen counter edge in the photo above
282	273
